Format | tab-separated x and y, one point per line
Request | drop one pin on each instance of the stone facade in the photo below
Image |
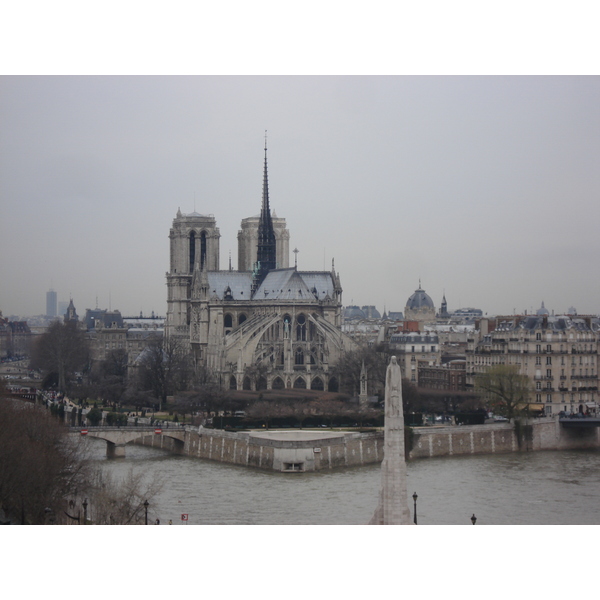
450	377
414	350
559	354
260	327
15	338
109	331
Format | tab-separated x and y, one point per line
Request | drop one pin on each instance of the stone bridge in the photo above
117	438
579	422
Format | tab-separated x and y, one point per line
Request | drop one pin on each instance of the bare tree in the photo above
40	466
110	376
505	389
362	414
257	374
349	369
187	402
164	369
262	410
62	350
120	502
411	399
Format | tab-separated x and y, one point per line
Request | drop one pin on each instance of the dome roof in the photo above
542	311
420	299
353	312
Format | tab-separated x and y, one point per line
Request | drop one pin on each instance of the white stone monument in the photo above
393	501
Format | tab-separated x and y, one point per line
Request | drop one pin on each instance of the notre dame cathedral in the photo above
266	325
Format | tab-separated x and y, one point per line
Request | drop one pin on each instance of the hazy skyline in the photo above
485	188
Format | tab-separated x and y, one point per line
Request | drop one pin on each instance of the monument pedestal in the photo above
393	498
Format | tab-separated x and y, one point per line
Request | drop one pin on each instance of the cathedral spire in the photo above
266	251
265	192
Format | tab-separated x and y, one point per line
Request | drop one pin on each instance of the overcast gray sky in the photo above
485	188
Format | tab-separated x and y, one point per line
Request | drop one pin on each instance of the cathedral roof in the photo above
283	284
239	282
279	284
319	281
289	284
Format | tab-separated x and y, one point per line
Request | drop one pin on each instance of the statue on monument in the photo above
393	390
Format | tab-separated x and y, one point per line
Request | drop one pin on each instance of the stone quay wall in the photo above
546	434
328	450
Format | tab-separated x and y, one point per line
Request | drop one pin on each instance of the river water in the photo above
535	488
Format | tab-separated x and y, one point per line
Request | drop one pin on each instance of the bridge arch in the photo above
117	438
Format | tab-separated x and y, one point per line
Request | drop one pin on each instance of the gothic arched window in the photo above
192	250
202	249
278	384
300	384
317	384
301	328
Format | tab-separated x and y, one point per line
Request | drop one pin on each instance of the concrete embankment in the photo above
539	434
292	451
286	451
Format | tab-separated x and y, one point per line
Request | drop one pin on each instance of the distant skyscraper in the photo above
51	304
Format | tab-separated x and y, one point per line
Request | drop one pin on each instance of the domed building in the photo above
353	312
419	307
542	311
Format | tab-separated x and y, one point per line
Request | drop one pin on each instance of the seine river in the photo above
535	488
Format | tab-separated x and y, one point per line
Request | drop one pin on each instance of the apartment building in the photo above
558	353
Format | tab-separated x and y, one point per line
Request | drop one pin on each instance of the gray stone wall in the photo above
273	454
546	434
356	449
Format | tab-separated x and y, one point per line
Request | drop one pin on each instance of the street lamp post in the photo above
146	511
415	501
473	519
85	505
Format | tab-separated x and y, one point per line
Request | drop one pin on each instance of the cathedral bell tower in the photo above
194	245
